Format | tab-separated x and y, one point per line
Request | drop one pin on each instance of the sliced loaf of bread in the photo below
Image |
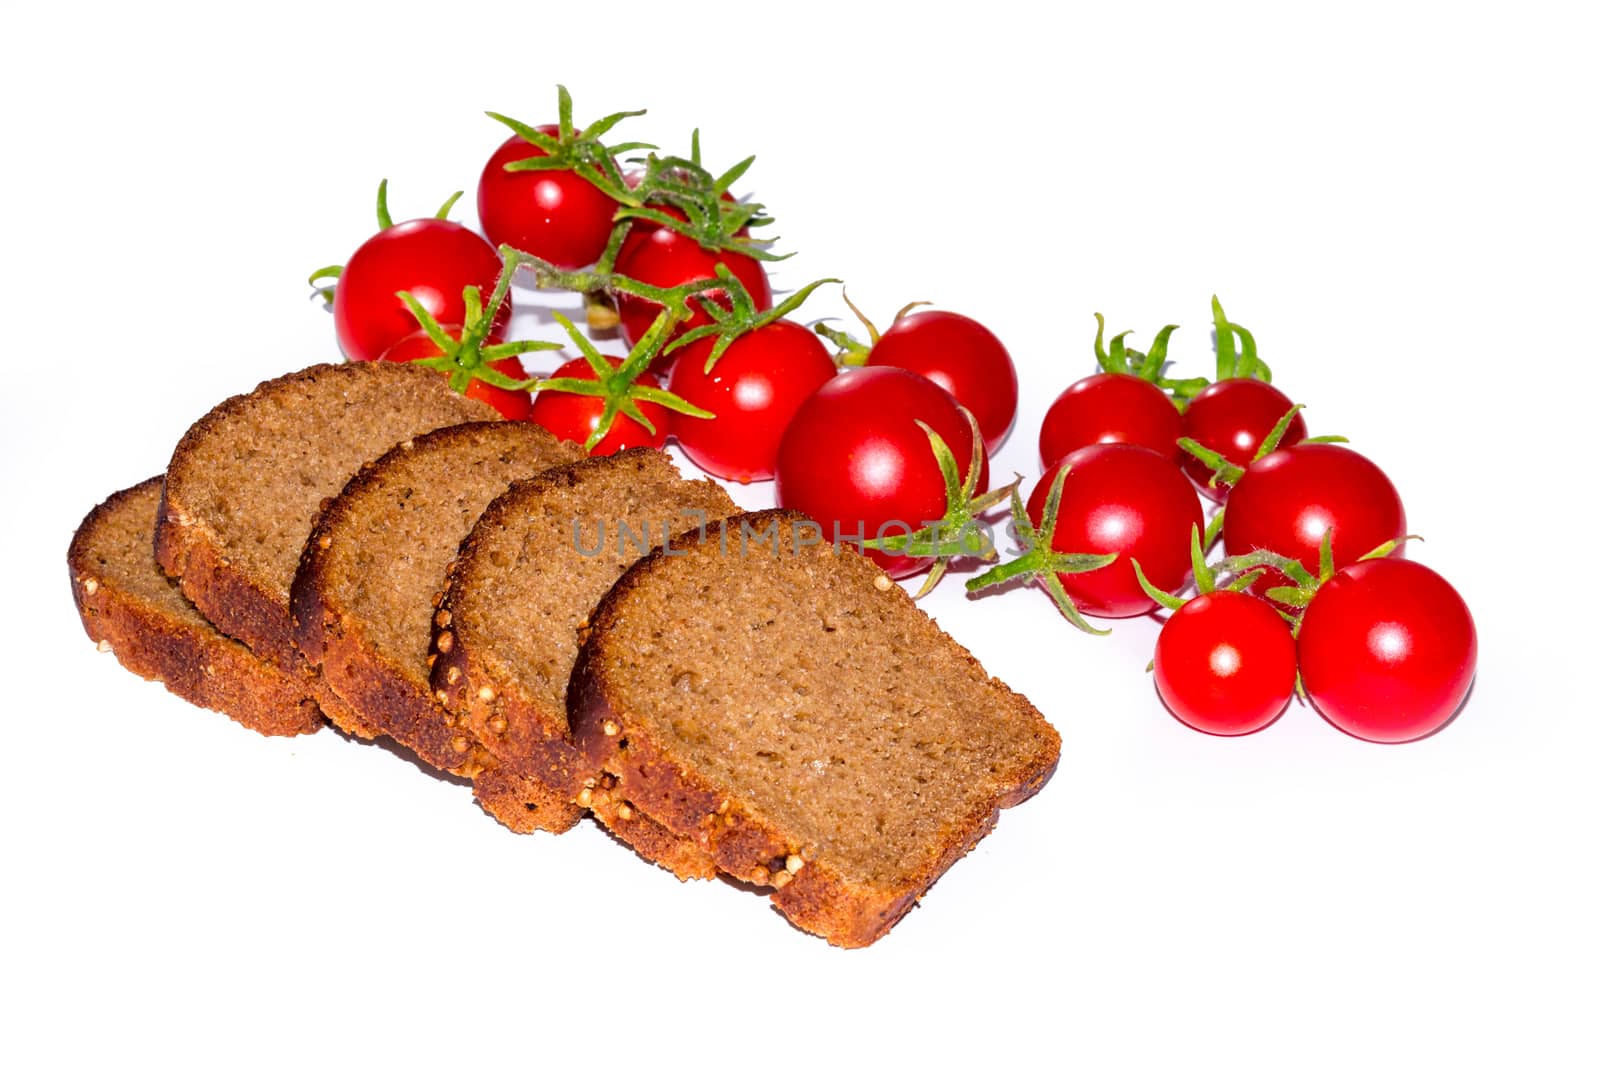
246	481
517	604
373	572
132	609
791	709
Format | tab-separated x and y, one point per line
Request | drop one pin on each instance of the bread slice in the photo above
130	608
373	571
790	708
245	483
515	608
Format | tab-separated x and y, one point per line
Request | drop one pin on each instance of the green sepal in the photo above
1160	596
466	359
728	325
1244	581
1288	566
450	202
1204	580
618	386
1039	560
324	291
1325	557
853	353
1270	443
685	184
1222	469
584	155
1236	362
957	533
1291	595
1120	358
1388	547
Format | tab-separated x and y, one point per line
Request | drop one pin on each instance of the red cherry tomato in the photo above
1110	409
556	215
855	460
753	390
513	404
960	356
1128	500
433	260
1287	500
665	258
1225	664
1387	650
1233	417
572	417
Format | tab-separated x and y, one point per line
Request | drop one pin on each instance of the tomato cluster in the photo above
665	253
1313	535
886	442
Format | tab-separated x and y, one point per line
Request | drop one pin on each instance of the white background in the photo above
1397	199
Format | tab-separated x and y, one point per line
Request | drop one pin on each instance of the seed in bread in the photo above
813	730
518	600
246	481
132	609
374	567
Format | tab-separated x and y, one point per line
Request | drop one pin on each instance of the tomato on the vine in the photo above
854	459
1106	409
512	403
961	356
573	417
432	259
665	258
1225	663
1289	499
1387	650
1232	417
558	215
754	390
1123	499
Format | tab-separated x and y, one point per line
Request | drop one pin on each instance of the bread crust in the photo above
815	895
190	658
382	691
234	600
515	732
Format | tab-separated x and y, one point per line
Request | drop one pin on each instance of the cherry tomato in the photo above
572	417
556	215
1287	500
855	460
665	258
1225	664
1233	417
1128	500
1387	650
960	356
753	390
513	404
1110	409
433	260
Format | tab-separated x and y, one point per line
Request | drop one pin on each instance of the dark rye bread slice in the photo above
790	708
130	608
373	572
518	599
246	481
